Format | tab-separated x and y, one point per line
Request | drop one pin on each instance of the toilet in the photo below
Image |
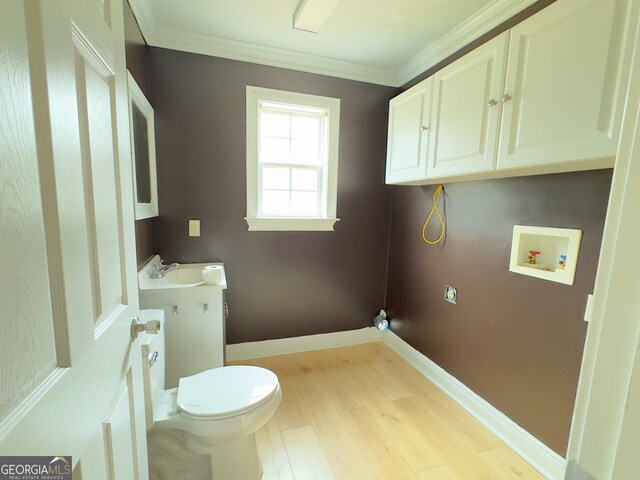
205	428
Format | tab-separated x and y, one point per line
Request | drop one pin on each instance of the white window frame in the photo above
329	179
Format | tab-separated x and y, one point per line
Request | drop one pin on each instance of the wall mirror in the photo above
143	152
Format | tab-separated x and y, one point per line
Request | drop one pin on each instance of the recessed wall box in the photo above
545	252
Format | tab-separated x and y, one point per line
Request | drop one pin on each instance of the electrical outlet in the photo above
194	228
451	294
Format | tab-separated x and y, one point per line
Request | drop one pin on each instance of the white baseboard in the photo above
541	457
282	346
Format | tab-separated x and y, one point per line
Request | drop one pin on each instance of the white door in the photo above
563	75
408	137
605	432
466	111
69	373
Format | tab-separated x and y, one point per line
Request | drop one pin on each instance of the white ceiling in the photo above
377	41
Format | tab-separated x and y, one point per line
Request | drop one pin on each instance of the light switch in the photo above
194	228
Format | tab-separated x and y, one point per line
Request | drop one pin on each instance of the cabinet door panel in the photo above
562	73
466	111
408	141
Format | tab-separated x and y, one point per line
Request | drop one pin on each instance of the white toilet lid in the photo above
226	391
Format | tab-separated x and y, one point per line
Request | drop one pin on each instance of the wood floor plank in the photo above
345	456
385	459
308	460
440	402
435	423
272	451
292	412
505	464
443	472
364	412
460	458
416	449
306	379
339	382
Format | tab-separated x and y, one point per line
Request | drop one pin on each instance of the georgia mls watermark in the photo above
35	468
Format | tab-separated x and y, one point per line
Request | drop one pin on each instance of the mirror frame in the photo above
143	210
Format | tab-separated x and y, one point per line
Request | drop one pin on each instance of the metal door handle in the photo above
137	327
492	103
425	128
506	98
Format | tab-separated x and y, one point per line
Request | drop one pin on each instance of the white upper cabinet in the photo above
563	74
465	116
408	138
544	97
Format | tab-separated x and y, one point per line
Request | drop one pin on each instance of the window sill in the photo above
280	224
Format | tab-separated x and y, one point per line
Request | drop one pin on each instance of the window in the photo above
292	160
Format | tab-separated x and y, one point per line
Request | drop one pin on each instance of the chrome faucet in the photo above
159	269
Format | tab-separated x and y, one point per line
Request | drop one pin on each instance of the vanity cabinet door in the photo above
408	137
563	85
466	111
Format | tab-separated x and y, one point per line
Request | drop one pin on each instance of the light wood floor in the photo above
362	412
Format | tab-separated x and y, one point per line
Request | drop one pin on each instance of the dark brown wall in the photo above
137	53
514	340
281	284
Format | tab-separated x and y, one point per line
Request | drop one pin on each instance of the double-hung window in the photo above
292	160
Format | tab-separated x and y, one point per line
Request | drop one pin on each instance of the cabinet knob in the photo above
492	103
425	128
506	98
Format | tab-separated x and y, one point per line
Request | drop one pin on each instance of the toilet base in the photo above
177	455
235	458
169	458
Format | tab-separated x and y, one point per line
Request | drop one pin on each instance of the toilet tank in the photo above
153	361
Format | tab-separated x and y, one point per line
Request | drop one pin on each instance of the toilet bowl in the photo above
205	428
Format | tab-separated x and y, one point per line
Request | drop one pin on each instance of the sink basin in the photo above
185	275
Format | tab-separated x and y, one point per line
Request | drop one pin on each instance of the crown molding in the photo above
145	16
494	14
274	57
490	17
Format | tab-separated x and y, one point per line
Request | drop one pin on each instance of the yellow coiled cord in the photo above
436	198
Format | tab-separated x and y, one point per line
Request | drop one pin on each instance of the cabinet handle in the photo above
506	98
226	310
492	103
425	129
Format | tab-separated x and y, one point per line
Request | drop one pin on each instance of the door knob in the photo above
137	327
506	98
492	103
425	128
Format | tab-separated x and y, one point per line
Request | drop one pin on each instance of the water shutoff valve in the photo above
381	321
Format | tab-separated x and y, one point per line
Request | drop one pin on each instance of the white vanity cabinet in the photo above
466	113
194	313
563	75
544	97
409	132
